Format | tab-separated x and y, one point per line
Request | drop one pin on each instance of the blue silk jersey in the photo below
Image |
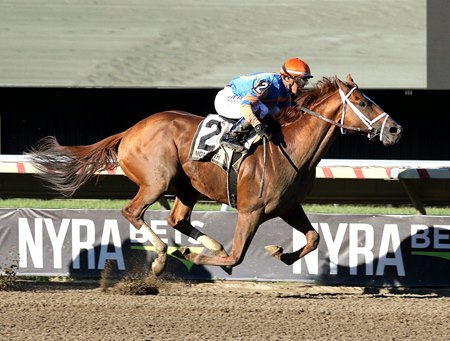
265	87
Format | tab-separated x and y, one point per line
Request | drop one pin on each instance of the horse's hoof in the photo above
159	264
184	251
274	250
228	269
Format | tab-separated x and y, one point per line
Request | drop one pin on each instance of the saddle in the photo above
206	147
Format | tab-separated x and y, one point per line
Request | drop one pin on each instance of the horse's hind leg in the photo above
134	213
299	221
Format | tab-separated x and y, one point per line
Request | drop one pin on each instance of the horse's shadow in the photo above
425	260
135	262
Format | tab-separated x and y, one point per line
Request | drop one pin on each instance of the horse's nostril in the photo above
395	130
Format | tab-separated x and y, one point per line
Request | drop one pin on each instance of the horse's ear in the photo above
350	79
340	83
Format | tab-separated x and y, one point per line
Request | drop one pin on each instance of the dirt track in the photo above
223	311
104	43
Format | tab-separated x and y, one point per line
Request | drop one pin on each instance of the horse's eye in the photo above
363	104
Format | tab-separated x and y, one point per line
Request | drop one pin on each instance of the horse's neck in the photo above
318	134
325	144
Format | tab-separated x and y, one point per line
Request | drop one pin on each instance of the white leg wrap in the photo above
155	240
159	264
212	245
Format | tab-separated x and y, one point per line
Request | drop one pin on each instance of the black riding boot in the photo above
234	139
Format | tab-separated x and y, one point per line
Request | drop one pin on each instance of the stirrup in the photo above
232	143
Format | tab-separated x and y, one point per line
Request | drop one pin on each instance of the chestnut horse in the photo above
154	153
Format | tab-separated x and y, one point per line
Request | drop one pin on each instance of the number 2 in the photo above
261	87
203	140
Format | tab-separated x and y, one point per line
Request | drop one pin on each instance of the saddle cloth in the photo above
206	142
206	147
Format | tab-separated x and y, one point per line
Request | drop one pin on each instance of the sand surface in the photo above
174	43
224	311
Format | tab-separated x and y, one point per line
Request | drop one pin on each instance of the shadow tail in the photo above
66	168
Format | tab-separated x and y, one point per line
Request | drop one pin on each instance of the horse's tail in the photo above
66	168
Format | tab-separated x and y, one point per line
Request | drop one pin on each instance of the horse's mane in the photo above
306	98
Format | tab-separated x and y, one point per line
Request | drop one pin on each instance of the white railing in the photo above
421	180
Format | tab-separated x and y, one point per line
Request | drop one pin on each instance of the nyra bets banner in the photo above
354	249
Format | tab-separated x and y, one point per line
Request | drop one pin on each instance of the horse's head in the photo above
363	114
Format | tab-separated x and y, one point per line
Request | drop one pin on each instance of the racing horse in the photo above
154	153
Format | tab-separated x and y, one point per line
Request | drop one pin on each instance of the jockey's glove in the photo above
262	130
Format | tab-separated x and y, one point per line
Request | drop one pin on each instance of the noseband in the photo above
371	131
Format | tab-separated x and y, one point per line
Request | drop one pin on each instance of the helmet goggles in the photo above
300	80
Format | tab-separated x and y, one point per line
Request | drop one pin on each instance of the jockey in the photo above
250	98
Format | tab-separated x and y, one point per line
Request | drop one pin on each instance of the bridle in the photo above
371	131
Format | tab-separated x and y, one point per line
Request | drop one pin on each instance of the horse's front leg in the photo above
246	228
299	221
179	219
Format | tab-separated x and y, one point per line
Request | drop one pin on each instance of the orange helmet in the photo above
296	67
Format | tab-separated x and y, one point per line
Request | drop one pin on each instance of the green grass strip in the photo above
437	254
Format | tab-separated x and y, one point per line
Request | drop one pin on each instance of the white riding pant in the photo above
228	105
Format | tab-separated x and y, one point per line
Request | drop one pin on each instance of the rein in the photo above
261	185
323	118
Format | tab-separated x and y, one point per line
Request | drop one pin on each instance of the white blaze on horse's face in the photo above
377	122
